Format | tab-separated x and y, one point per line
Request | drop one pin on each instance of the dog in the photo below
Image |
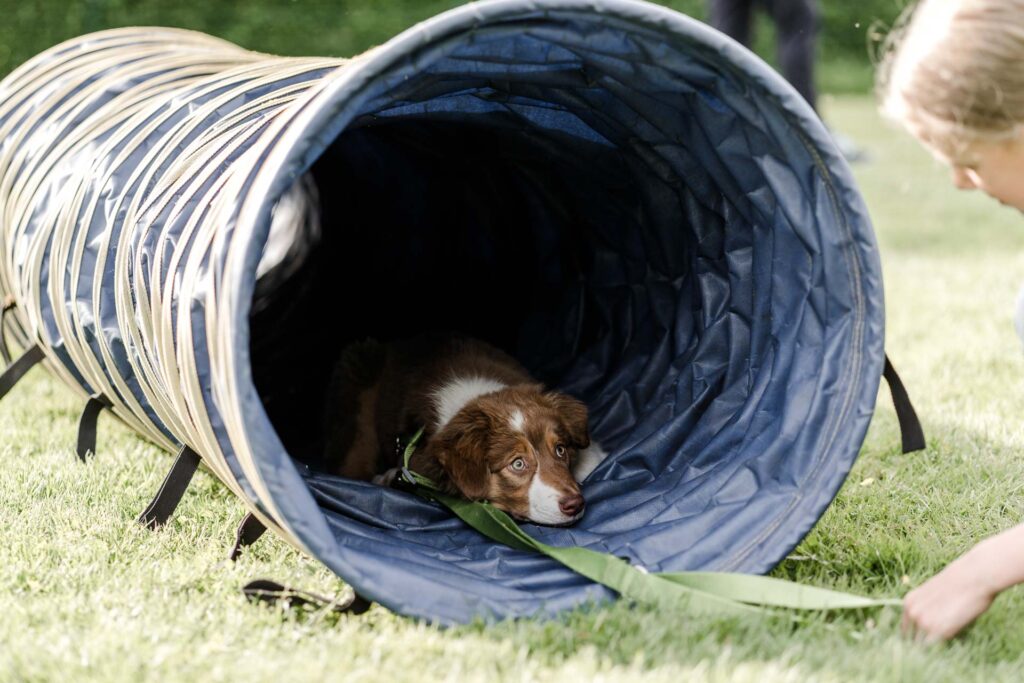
490	431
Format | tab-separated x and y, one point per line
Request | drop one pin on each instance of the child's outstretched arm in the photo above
956	596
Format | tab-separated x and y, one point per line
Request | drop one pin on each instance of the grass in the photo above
88	595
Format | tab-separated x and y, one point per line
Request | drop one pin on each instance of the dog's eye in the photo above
518	465
560	451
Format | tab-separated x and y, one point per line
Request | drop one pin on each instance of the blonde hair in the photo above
953	73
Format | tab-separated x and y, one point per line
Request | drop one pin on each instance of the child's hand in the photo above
950	600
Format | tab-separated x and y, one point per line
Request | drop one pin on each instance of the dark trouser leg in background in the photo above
732	17
796	24
796	29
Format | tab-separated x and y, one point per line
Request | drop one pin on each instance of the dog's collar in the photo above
408	475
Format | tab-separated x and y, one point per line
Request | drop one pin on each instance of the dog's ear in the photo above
573	416
461	450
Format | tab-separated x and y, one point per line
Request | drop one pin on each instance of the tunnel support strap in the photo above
86	444
171	490
911	432
5	351
265	590
16	370
250	530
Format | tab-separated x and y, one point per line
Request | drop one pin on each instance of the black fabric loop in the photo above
911	432
171	490
250	530
86	444
5	351
265	590
16	370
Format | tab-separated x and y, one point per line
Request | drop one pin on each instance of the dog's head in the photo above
515	448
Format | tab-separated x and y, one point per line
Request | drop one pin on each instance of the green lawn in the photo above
88	595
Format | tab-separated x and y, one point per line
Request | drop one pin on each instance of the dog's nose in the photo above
571	505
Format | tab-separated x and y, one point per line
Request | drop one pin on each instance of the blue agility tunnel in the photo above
633	205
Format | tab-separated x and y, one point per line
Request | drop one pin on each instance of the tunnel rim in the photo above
325	115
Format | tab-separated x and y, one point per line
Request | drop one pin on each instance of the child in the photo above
955	80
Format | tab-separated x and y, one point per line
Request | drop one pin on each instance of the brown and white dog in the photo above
491	432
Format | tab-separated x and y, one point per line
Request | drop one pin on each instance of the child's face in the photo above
995	168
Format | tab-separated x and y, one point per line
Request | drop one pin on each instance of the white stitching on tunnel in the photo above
82	151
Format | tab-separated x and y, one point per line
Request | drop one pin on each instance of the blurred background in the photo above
849	34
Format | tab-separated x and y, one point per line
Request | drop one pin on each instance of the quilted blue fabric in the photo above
721	313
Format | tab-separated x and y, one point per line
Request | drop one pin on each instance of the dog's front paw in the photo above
588	460
387	478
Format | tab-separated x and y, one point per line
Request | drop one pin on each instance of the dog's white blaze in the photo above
517	421
588	460
544	502
456	393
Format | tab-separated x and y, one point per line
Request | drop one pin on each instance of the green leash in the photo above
706	592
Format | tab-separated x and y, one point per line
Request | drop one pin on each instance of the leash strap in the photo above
171	490
250	530
714	592
86	444
265	590
911	433
701	591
